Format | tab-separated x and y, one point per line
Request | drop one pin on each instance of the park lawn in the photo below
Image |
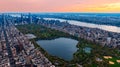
114	59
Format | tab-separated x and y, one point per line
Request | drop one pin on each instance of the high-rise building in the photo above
22	18
30	18
108	40
3	17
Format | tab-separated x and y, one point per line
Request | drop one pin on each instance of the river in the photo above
90	25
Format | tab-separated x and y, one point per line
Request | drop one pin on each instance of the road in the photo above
12	62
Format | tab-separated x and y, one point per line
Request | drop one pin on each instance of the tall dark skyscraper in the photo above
30	18
22	18
3	17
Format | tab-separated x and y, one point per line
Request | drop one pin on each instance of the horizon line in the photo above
59	12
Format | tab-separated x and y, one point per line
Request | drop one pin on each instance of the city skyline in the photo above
60	6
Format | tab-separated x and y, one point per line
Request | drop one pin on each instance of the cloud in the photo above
111	7
59	5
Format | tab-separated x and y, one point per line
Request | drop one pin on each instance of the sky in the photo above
59	5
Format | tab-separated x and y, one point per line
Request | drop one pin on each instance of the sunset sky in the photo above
59	5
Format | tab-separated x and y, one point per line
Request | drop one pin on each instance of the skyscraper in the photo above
30	18
22	18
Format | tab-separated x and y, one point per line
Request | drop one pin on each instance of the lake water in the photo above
90	25
61	47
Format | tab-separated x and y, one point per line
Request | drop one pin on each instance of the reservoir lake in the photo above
61	47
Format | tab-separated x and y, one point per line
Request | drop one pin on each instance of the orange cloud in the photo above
111	7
